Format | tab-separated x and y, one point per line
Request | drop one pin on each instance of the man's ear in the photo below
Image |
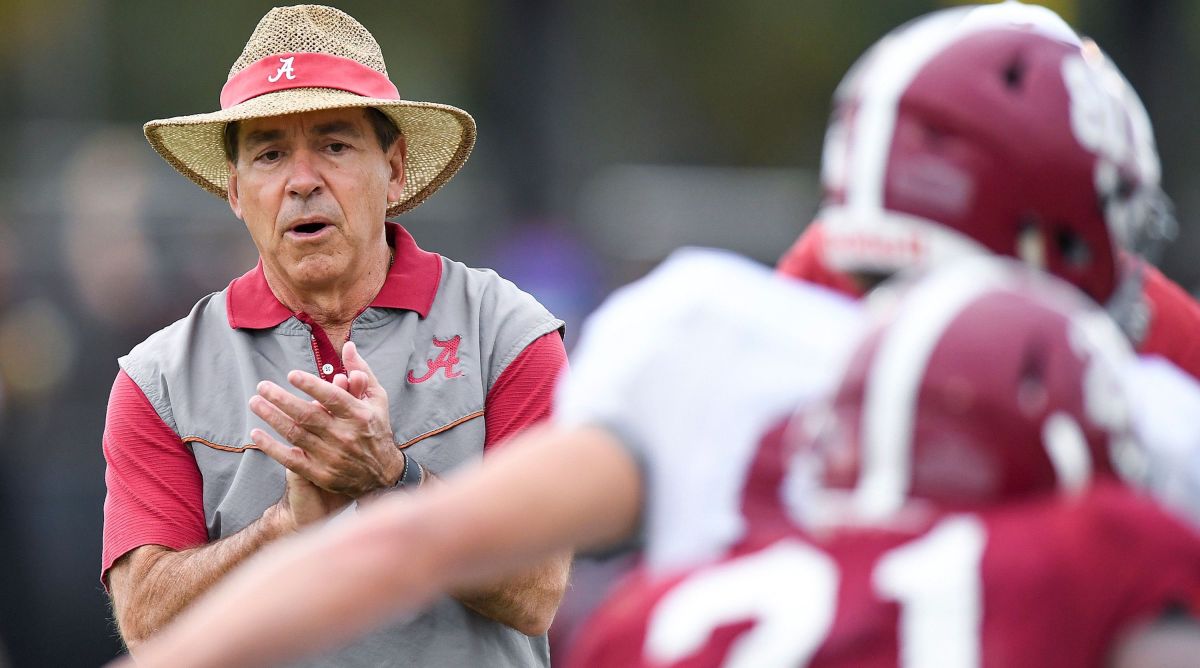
399	175
234	202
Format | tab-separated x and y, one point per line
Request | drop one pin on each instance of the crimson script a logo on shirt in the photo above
446	358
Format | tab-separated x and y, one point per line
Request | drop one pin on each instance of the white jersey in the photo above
1165	413
689	367
692	365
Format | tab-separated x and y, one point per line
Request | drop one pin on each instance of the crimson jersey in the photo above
805	261
1050	582
1174	319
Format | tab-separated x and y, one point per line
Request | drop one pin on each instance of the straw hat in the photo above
308	58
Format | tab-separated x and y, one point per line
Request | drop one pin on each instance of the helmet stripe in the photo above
894	380
891	69
893	65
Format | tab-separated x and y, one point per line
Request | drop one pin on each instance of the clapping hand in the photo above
340	440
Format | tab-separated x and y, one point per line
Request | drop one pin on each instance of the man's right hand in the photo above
304	503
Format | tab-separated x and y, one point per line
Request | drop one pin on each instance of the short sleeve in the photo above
523	394
1174	321
155	493
1163	575
1164	404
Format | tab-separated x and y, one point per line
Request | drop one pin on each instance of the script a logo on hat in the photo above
446	358
284	70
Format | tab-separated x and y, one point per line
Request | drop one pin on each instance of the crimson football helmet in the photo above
983	382
990	128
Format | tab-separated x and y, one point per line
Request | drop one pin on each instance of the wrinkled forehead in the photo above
321	122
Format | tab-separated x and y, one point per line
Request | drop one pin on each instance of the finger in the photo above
290	457
358	384
343	382
283	423
335	399
297	408
355	362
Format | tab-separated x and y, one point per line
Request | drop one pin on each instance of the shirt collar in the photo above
411	283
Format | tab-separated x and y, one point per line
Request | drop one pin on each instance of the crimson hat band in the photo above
283	71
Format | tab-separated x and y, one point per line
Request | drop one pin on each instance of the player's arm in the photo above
521	397
526	599
549	489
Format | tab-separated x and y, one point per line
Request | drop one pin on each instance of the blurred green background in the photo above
609	133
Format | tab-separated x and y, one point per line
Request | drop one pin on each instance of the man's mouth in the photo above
308	228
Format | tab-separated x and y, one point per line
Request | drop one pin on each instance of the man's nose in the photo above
304	180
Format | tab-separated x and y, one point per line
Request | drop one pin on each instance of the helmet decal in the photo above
989	129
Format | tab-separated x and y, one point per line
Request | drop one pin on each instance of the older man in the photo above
313	148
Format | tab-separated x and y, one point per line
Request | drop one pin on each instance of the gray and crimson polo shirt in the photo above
466	359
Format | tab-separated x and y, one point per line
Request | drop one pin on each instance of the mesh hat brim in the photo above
438	137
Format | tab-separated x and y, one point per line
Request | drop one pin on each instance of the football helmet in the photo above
990	128
983	382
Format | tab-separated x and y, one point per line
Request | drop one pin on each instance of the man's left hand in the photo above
342	439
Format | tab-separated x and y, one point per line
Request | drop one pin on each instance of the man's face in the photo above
313	189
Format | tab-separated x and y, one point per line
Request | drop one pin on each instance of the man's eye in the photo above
270	156
337	147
